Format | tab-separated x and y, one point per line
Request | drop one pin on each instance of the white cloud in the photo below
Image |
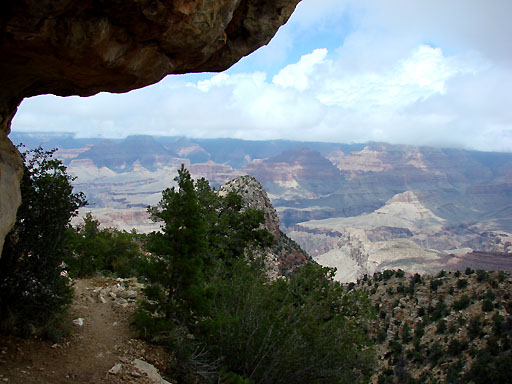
431	73
298	75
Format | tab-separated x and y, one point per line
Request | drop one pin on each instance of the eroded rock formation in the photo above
68	47
285	255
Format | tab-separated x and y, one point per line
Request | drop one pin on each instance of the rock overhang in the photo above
68	47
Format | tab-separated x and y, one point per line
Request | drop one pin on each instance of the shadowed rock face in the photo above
70	47
11	170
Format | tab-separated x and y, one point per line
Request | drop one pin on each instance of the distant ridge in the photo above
362	207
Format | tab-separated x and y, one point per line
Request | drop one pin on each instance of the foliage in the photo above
490	369
388	274
33	286
456	346
176	271
209	299
461	303
487	305
441	326
481	275
475	328
406	333
305	329
108	249
199	228
439	311
434	284
462	283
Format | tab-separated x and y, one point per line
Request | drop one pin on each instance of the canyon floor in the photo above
104	349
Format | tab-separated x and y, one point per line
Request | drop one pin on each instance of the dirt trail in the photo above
104	341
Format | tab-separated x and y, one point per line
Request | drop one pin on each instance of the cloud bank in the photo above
434	73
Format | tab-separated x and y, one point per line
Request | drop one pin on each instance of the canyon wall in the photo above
67	47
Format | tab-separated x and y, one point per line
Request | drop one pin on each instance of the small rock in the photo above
102	300
115	369
78	321
89	299
122	302
129	294
149	370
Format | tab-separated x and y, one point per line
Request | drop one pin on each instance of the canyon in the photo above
361	208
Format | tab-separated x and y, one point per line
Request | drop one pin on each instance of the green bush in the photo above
490	295
434	284
108	249
475	327
381	336
481	275
406	333
490	369
453	375
420	330
498	324
441	326
487	306
435	353
462	303
33	283
388	274
306	329
439	311
456	347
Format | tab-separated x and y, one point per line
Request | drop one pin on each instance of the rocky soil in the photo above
103	349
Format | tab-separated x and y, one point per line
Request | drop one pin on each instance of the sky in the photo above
420	72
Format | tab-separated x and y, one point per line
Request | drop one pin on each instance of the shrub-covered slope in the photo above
451	328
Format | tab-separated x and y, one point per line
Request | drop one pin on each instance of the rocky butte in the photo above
285	255
67	47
